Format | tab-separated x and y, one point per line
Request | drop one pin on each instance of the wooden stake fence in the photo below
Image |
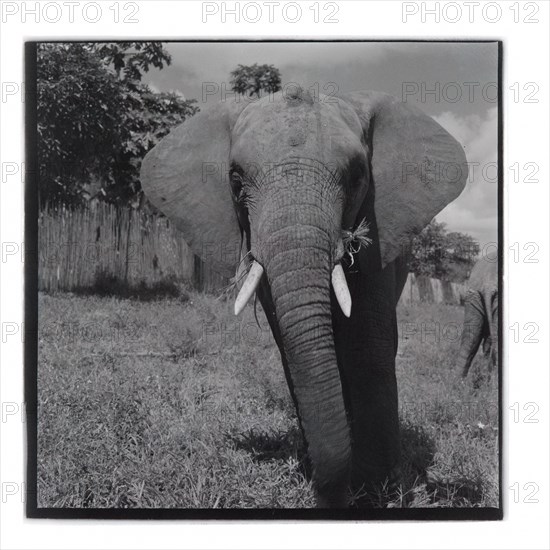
77	246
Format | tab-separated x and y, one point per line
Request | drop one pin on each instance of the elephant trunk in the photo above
297	250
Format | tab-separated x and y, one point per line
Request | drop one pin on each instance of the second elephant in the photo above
480	315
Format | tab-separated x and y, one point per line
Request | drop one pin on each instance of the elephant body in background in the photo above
293	184
480	315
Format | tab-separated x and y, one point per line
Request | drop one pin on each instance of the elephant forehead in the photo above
277	128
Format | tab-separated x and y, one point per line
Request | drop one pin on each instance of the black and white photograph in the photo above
269	279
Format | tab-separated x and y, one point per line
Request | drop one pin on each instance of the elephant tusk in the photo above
341	289
249	286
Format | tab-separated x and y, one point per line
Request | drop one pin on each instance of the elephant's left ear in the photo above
417	167
186	177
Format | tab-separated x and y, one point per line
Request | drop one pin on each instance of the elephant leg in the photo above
366	346
491	306
486	345
472	331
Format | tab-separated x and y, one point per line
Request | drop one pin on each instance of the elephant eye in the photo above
236	183
239	191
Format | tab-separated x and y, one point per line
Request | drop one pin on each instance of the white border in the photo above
526	55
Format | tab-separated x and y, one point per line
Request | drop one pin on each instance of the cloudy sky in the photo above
460	76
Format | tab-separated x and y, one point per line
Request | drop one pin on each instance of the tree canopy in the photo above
252	80
443	255
97	119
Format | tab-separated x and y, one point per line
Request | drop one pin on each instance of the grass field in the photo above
176	403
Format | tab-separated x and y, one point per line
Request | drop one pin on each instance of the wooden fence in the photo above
78	246
431	291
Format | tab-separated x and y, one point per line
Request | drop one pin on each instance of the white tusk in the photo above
341	289
249	286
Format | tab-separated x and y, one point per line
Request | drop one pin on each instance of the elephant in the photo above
480	315
319	197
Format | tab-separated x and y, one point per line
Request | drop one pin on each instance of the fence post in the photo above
127	258
198	273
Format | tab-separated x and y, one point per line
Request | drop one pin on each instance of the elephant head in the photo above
284	178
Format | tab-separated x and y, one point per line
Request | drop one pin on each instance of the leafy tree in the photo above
252	80
131	59
463	250
96	119
442	255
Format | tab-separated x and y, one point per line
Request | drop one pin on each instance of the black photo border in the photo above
31	338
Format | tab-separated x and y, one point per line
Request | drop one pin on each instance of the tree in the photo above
463	250
442	255
251	80
96	119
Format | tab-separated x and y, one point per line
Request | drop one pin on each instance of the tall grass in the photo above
179	404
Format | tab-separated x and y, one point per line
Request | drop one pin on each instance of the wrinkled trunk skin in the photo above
295	234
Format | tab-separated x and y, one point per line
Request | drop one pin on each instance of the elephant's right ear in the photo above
186	177
417	167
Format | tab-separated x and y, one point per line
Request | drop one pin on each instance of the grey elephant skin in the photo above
480	315
276	181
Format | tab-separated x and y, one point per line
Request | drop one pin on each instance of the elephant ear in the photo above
186	177
417	167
